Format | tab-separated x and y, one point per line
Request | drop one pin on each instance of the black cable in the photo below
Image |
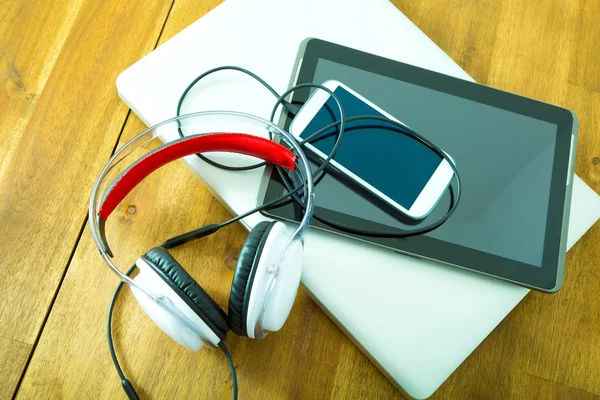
291	196
289	106
292	192
397	233
127	386
231	369
398	127
280	101
209	229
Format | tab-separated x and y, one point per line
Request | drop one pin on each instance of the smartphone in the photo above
395	168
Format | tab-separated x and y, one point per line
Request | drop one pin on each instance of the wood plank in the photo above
310	357
479	384
546	390
61	118
585	66
27	56
451	25
563	331
586	104
14	357
533	49
542	338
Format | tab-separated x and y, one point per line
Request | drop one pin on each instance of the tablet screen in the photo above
504	160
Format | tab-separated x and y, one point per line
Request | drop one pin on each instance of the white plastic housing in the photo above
169	322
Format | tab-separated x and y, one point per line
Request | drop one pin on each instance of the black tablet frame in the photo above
548	277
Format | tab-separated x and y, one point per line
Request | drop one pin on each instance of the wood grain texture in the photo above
13	358
547	348
60	119
585	68
27	55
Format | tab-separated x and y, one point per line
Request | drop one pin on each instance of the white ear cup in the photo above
286	286
166	320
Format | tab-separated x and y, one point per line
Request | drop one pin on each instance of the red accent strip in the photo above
241	143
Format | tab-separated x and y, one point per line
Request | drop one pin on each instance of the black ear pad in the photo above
244	277
188	289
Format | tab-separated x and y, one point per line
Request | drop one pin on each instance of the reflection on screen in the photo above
504	159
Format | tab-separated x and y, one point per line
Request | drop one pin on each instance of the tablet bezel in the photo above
549	276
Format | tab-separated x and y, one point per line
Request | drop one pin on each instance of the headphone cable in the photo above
231	368
292	194
127	386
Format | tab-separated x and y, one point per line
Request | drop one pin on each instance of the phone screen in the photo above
393	163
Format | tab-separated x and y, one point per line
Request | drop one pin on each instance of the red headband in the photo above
241	143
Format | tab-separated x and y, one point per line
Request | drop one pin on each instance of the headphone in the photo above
268	270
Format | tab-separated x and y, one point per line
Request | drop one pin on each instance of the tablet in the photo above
514	155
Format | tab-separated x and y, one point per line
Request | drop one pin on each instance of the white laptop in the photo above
440	314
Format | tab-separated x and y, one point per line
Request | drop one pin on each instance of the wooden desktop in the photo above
61	118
